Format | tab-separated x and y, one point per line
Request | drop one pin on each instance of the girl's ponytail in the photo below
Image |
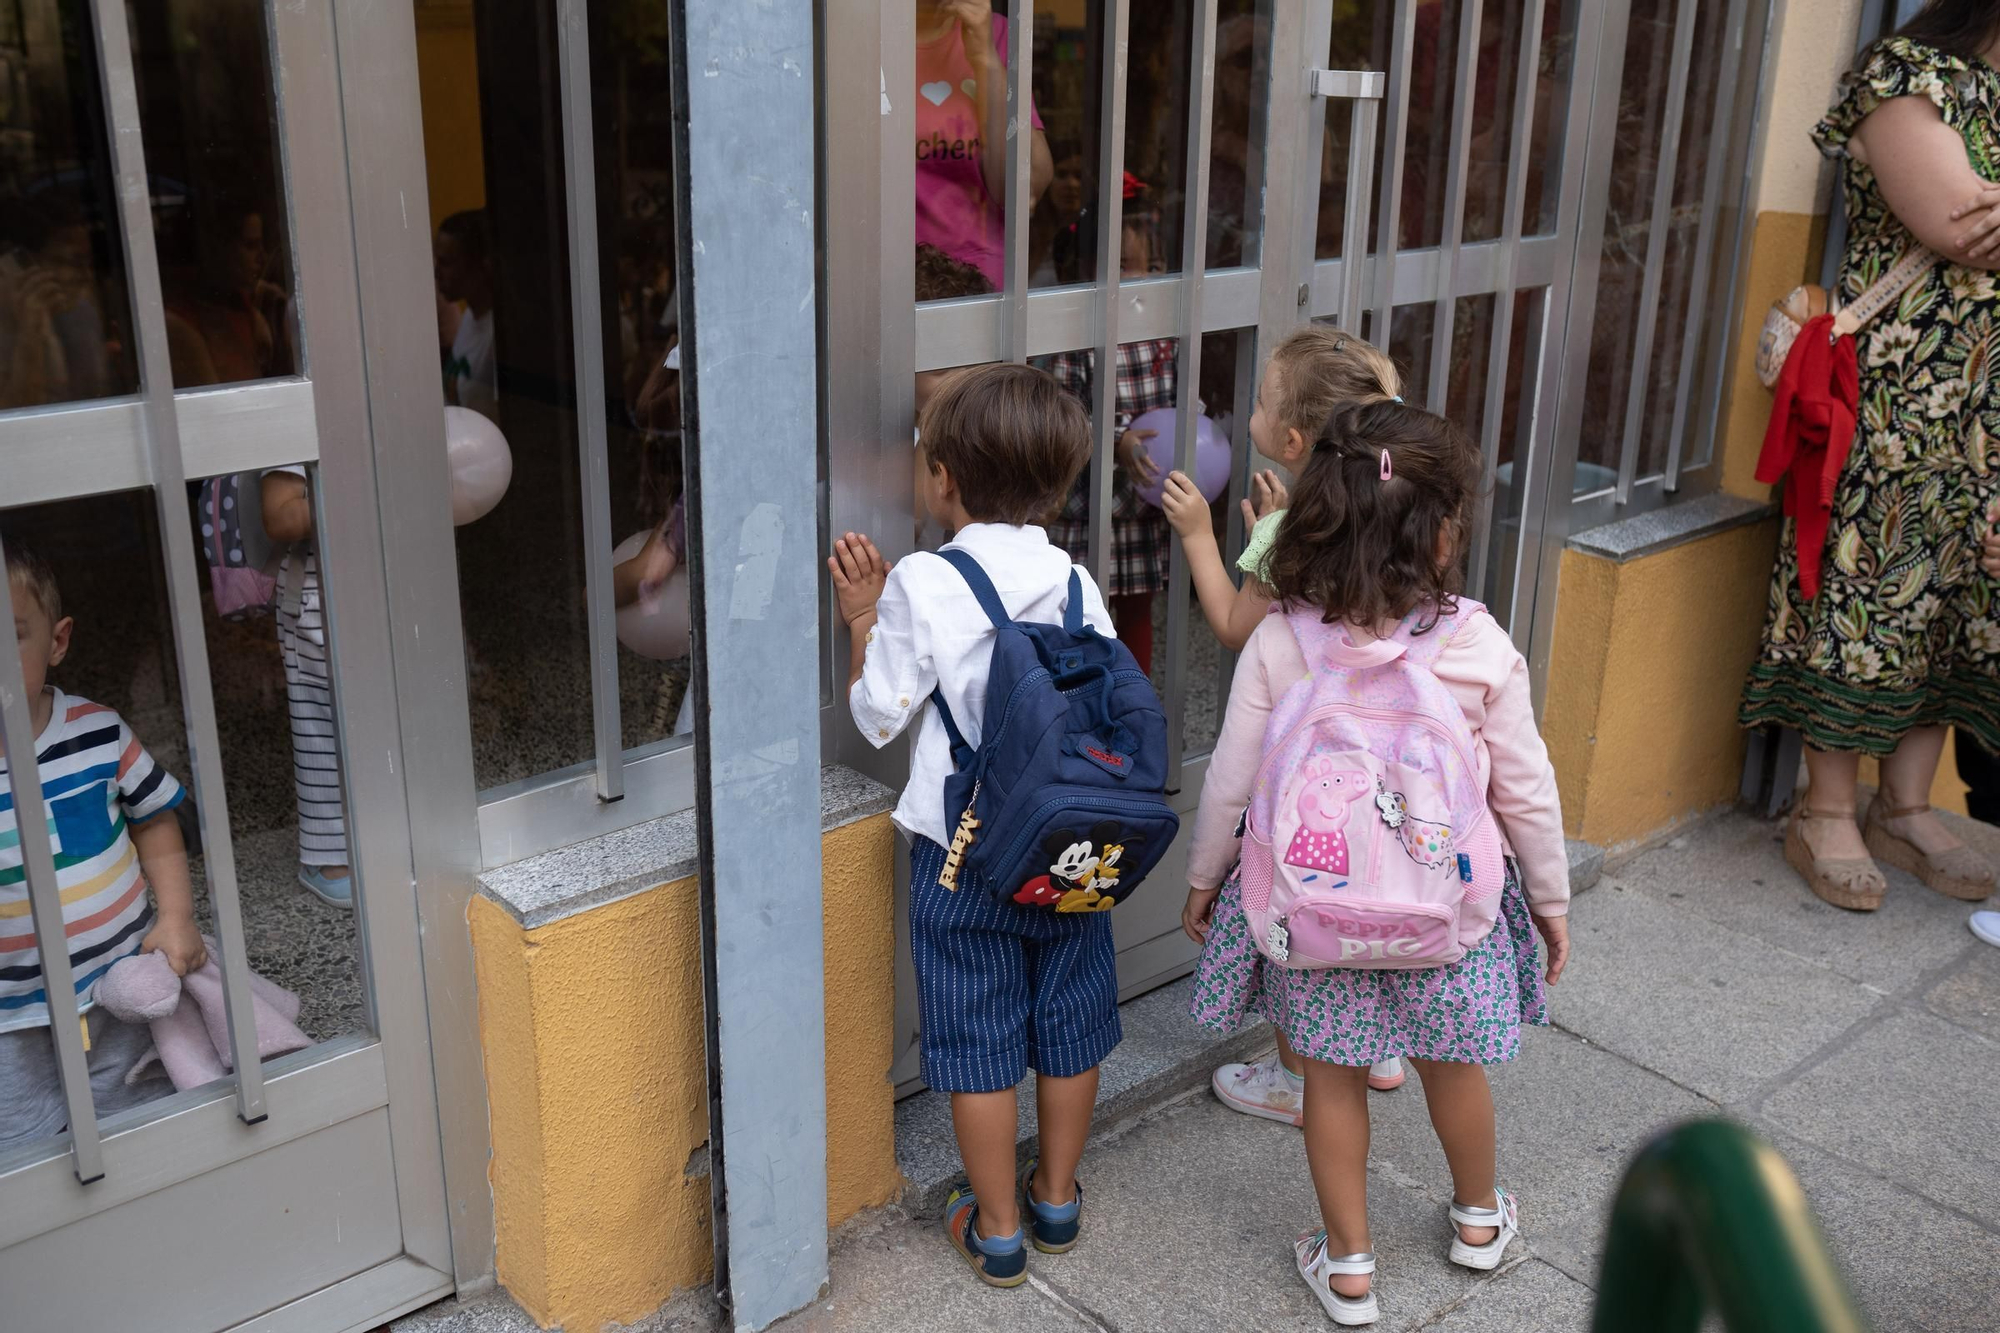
1321	369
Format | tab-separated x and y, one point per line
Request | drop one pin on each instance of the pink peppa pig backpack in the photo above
1368	842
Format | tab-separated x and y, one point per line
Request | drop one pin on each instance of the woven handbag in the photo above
1785	318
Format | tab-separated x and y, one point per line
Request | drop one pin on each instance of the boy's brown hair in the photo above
1011	439
1361	549
1321	369
942	278
27	570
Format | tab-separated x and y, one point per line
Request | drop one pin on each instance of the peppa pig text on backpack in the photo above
1368	842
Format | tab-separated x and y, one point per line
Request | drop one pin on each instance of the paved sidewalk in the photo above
1706	981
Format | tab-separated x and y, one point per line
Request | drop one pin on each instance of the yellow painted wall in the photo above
1648	660
448	87
593	1037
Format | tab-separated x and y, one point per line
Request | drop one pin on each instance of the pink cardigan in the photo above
1487	676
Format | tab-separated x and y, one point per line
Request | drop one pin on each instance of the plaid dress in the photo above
1140	538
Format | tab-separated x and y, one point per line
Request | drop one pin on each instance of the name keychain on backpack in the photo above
960	841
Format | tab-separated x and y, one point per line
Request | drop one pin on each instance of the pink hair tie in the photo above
1385	465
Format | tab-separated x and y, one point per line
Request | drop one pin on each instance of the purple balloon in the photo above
1211	453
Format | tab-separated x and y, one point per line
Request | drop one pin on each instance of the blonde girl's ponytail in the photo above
1322	369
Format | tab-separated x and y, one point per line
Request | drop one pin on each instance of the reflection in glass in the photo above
64	310
109	810
1508	480
1146	380
207	104
960	99
1226	400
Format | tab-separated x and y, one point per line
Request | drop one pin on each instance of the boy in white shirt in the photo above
1003	988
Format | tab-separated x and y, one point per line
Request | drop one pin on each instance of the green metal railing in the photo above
1709	1217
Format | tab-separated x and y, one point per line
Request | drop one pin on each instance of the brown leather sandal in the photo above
1958	872
1854	883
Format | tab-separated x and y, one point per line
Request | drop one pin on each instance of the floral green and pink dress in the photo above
1905	631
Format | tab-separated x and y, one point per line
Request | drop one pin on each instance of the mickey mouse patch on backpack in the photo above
1083	871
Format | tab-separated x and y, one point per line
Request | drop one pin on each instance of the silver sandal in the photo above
1316	1266
1507	1217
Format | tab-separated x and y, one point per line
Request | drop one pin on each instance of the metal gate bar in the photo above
1661	226
1513	221
24	774
1395	140
587	341
121	105
1187	380
1444	315
1110	273
1020	165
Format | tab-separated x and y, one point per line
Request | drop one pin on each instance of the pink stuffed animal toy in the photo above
1321	842
189	1019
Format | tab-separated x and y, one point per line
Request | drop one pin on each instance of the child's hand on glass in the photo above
1989	542
179	939
1181	501
1199	912
1554	931
1267	496
1132	455
859	571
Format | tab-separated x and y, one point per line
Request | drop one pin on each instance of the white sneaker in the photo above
1263	1089
1986	925
1387	1075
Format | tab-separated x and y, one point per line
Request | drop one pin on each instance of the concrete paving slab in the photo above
1969	994
1163	1055
1731	871
1913	1099
891	1273
1533	1298
1910	1264
1192	1215
1710	1007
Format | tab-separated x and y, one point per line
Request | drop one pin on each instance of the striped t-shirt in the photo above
95	777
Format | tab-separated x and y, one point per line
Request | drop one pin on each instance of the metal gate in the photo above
1412	170
183	195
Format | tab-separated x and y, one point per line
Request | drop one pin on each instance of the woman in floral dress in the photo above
1903	639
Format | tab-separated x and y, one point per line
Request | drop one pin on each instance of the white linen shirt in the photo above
930	634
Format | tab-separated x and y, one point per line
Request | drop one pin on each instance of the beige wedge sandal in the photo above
1853	883
1957	873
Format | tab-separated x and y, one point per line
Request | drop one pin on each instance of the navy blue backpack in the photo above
1064	804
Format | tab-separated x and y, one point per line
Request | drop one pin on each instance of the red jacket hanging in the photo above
1812	428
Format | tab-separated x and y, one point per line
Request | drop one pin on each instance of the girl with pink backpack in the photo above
1380	836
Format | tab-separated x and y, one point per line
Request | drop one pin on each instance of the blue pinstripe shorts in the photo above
1003	988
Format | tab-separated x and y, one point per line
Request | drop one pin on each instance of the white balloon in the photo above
663	634
481	464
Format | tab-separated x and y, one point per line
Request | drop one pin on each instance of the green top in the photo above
1256	558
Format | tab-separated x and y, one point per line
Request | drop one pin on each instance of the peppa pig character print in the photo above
1323	802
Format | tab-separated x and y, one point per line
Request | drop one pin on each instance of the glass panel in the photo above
1410	332
1516	420
1069	97
1498	86
1471	360
206	101
1427	150
1360	41
1693	170
129	853
961	141
1554	87
1227	397
65	313
505	352
1156	132
1628	225
1236	131
1146	378
631	119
